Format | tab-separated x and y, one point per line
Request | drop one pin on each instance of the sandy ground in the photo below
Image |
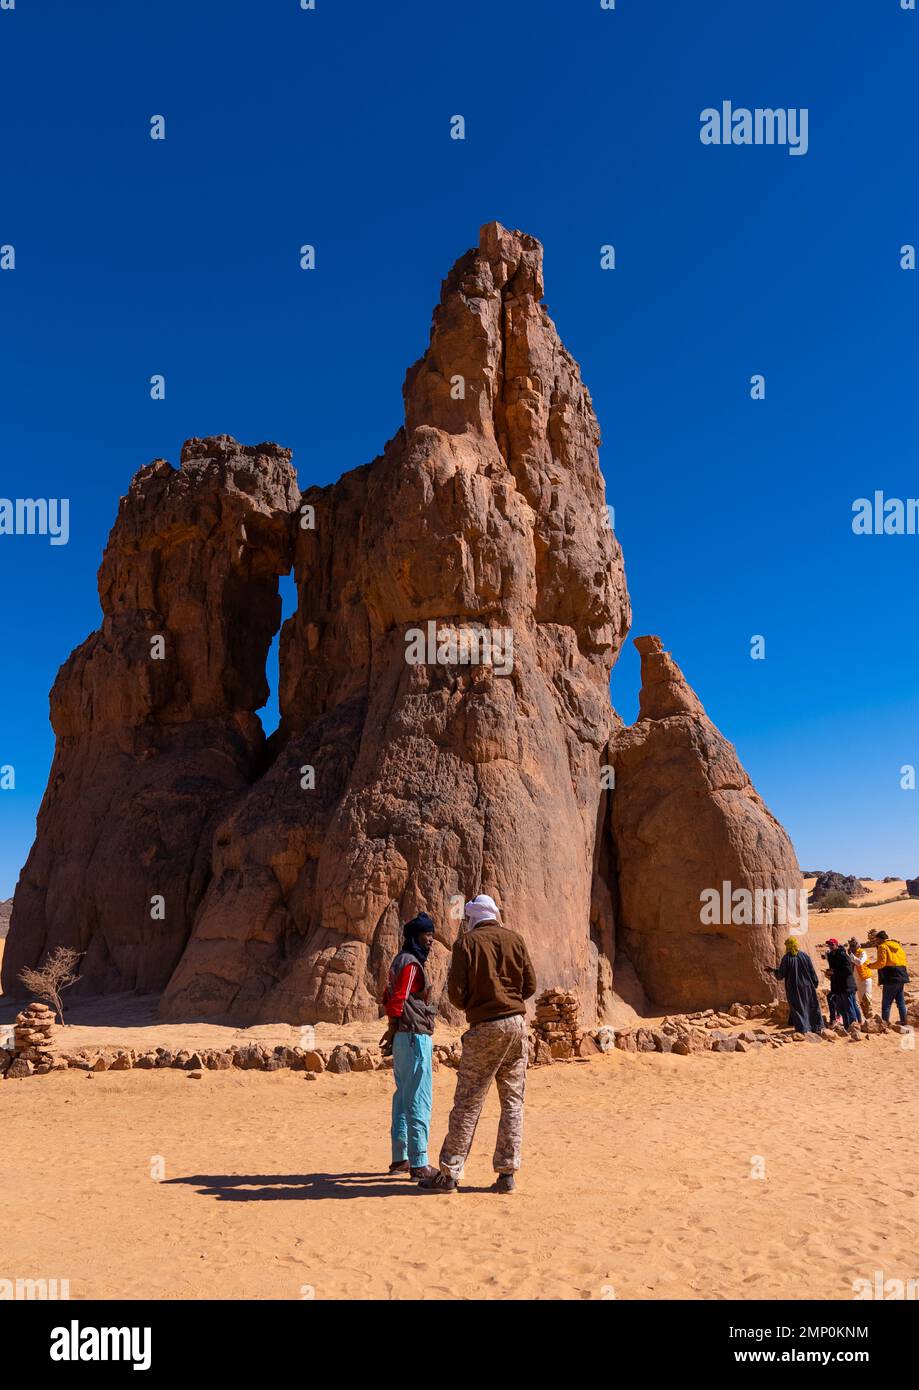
882	909
639	1179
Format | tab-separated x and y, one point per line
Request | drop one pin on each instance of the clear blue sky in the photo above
582	128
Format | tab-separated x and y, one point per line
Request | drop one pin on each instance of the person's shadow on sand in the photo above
298	1187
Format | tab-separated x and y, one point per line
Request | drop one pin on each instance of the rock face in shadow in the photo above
154	716
686	820
406	777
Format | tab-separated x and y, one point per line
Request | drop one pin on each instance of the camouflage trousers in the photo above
494	1051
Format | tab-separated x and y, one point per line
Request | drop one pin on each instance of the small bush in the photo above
56	974
835	898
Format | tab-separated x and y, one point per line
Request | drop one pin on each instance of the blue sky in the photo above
582	127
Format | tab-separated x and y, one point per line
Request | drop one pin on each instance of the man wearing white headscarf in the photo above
491	977
481	909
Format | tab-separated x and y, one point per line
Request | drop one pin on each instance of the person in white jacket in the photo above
864	979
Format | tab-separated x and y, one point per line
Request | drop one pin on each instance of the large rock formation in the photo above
686	821
445	714
832	882
435	779
154	716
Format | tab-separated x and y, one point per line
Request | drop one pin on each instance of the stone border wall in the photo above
33	1054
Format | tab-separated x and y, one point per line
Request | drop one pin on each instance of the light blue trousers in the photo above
412	1057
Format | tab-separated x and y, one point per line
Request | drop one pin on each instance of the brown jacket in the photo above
491	974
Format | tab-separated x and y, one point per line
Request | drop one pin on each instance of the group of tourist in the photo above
490	979
851	981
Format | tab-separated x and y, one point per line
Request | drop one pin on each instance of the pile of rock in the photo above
686	1034
345	1057
707	1031
556	1023
248	1057
869	1027
34	1029
33	1032
773	1011
449	1055
350	1057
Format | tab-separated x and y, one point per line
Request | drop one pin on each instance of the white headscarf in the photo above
481	909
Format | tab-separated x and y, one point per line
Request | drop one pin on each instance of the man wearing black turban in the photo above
409	1037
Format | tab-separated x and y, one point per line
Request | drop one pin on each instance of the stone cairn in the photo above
557	1024
31	1050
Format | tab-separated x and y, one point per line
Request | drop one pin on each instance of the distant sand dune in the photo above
896	917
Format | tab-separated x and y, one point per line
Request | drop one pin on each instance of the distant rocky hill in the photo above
5	910
832	882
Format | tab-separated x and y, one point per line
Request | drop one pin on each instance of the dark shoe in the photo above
504	1183
438	1182
400	1167
424	1172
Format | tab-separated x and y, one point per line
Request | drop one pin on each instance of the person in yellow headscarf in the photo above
797	970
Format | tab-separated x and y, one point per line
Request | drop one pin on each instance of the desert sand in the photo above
638	1179
884	907
636	1183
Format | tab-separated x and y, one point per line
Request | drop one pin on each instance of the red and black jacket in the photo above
407	997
